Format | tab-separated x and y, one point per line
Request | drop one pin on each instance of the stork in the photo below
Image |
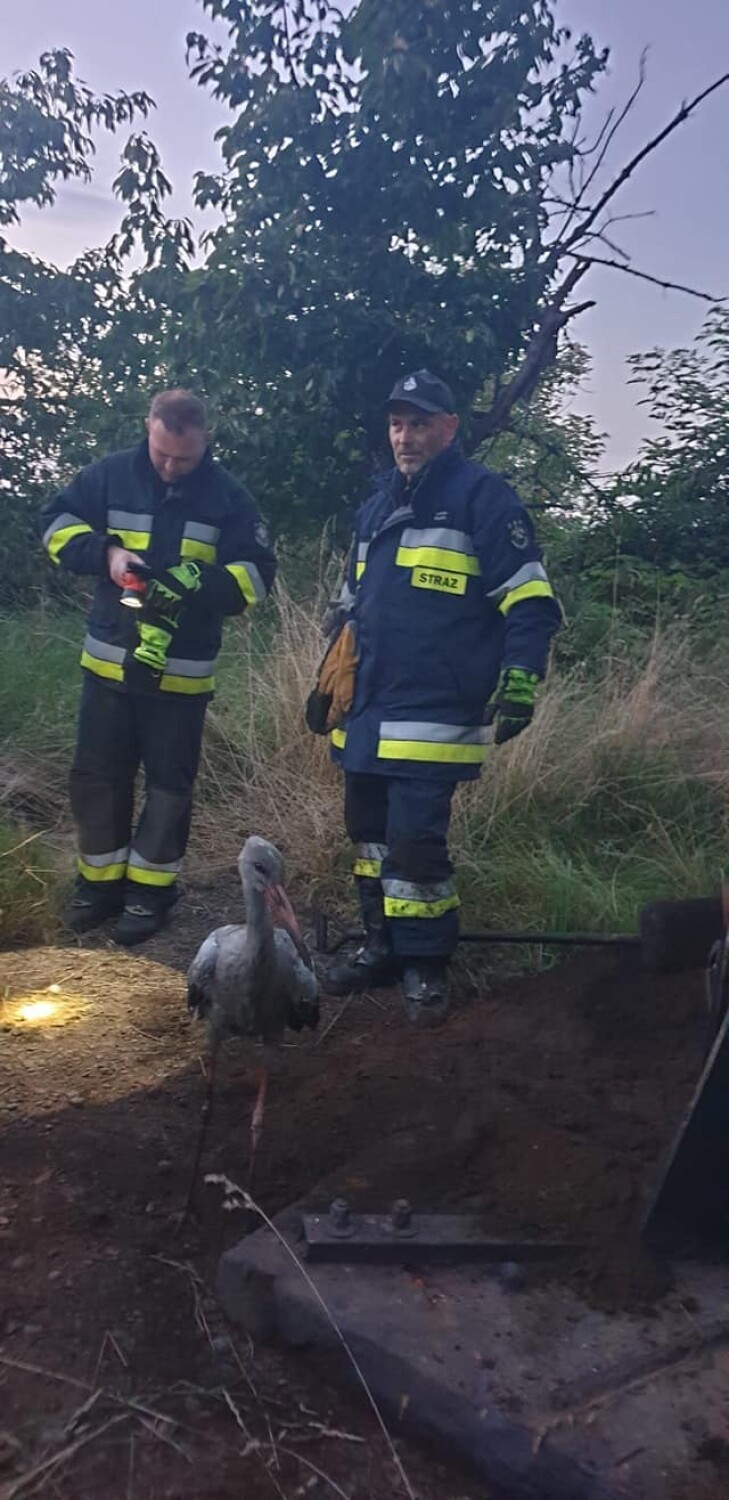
252	980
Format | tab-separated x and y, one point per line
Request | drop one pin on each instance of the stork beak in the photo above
283	915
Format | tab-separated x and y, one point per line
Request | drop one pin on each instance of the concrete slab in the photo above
549	1398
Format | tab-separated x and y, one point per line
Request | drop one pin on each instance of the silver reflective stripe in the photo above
362	550
128	520
446	734
199	533
408	890
138	862
178	666
100	861
437	536
60	524
103	651
530	573
371	851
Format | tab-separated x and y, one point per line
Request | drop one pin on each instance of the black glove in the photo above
512	708
167	594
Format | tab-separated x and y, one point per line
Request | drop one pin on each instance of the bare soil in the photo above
544	1103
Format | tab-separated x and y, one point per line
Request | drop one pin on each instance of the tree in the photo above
78	347
678	513
404	185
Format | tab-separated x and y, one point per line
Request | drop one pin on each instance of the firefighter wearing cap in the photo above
167	511
444	625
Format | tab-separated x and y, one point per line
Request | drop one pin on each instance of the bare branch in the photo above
668	286
541	352
625	111
678	119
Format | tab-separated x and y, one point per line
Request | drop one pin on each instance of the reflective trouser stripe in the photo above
98	867
405	898
249	581
145	872
368	860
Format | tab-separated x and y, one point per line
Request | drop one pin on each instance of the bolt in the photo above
339	1213
401	1214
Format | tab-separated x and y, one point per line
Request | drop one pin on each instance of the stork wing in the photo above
298	982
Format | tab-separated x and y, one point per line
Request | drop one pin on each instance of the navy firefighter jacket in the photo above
206	517
446	589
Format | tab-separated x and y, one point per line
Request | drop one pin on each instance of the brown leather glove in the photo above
328	705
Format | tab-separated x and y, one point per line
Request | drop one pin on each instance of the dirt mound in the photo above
544	1105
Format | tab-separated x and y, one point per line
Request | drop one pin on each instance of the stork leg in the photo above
207	1063
257	1122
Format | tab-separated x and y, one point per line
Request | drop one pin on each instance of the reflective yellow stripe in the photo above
431	750
169	683
59	539
244	581
111	669
536	590
338	738
151	877
359	570
136	541
202	551
101	872
369	867
438	557
395	907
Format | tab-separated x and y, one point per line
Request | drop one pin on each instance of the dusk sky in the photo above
140	44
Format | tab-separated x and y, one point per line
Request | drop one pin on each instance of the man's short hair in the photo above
178	410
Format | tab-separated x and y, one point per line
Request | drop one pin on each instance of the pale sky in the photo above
140	44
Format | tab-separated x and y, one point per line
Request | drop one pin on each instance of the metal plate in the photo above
429	1239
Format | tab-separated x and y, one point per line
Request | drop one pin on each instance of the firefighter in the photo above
439	641
168	520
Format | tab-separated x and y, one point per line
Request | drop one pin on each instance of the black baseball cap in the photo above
424	390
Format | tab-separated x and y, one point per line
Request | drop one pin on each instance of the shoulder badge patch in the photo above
262	534
518	534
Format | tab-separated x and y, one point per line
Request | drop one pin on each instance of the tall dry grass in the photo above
618	794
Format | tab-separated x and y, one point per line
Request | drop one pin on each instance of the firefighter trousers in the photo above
117	733
399	827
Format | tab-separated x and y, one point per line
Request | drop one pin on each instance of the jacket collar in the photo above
198	491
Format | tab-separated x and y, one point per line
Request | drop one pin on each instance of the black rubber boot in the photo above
374	964
90	905
425	987
143	916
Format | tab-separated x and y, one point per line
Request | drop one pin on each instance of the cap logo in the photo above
410	384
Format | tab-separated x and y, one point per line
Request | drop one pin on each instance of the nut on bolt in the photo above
401	1214
339	1214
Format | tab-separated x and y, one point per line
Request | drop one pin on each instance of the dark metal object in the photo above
340	1222
418	1239
324	944
691	1201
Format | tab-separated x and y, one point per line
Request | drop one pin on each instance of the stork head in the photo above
261	869
260	865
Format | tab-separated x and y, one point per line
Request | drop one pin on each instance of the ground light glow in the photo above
49	1007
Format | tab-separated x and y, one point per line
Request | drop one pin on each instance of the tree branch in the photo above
541	352
668	286
628	170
